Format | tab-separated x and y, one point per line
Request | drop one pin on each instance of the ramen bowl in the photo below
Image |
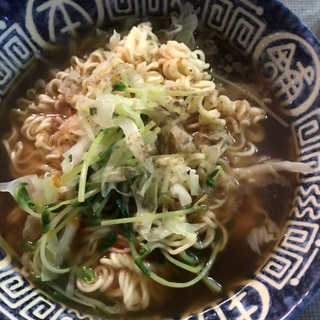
285	53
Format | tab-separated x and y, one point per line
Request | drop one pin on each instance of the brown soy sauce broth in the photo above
237	264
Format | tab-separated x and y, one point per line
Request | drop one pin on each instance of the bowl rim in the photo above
299	29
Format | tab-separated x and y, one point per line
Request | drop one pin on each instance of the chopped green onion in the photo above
93	111
210	177
212	284
105	154
189	258
142	267
28	245
119	86
23	199
137	259
125	224
200	276
85	273
45	220
180	264
144	250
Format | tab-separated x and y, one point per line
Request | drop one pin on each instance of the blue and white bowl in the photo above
287	53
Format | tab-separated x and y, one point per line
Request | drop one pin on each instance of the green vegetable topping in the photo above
93	111
45	220
210	179
85	273
28	245
119	86
23	199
